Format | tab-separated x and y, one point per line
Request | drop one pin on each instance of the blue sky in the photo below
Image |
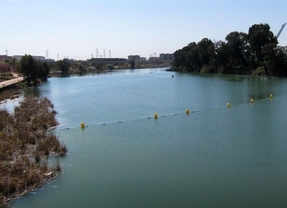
79	28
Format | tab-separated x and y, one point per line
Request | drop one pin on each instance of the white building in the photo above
37	58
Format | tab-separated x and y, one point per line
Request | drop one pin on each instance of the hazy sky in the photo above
78	28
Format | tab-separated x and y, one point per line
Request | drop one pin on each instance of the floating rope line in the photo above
156	115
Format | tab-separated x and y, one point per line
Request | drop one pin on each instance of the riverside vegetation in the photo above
27	142
12	91
255	53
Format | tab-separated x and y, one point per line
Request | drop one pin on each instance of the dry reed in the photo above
24	143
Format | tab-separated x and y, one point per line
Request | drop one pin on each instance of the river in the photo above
212	157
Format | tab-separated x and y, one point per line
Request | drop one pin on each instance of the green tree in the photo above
64	66
206	51
222	56
81	68
192	58
241	53
258	36
180	58
44	70
29	69
237	42
187	58
275	60
132	64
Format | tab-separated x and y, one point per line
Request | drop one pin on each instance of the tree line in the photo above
35	71
256	52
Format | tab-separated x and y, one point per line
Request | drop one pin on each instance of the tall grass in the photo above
25	145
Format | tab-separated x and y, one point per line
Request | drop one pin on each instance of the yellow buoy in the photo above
251	101
271	96
155	115
82	125
228	105
187	111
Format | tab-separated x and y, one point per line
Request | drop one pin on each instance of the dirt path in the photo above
11	81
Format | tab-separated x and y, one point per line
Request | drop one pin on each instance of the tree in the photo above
222	56
258	36
237	42
4	68
275	60
11	63
29	69
81	68
206	51
241	54
132	64
180	58
194	56
64	66
44	70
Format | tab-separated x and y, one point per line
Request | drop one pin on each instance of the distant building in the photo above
17	57
166	56
37	58
50	60
142	59
134	58
107	60
5	57
154	60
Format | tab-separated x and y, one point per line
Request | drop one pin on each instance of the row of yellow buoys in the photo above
251	101
155	115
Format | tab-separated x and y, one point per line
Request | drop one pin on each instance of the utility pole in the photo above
6	55
109	53
97	52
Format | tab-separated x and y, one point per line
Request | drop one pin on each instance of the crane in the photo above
278	34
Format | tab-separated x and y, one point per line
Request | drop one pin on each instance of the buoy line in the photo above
156	116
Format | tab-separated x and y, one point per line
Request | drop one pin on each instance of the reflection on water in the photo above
10	104
213	157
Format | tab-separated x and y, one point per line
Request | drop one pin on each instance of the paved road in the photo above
11	81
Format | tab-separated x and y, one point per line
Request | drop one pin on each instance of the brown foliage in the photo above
9	93
24	142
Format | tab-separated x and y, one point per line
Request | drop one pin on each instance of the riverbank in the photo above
13	90
26	146
9	94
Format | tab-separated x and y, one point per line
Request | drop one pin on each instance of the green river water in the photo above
213	157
